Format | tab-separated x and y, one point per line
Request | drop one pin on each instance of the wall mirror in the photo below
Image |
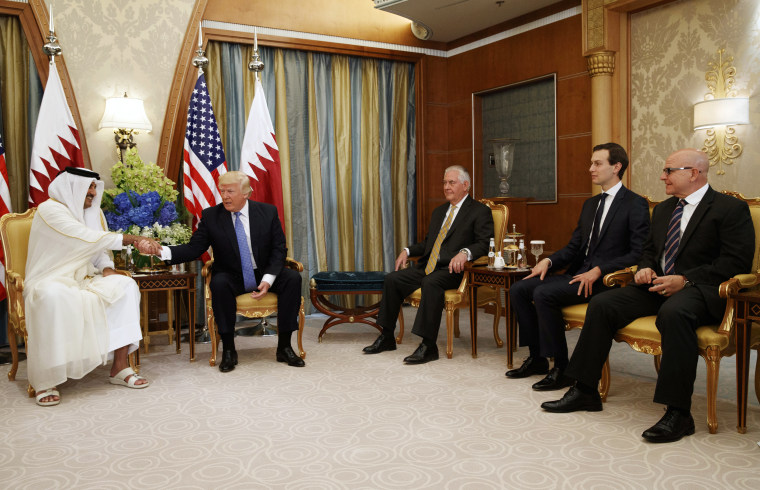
518	121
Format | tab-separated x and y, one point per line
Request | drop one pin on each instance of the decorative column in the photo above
601	67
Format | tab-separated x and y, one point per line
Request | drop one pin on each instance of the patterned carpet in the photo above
353	421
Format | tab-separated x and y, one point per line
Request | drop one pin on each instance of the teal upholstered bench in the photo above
324	284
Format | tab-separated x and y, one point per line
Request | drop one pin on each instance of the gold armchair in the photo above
459	297
249	307
714	341
14	232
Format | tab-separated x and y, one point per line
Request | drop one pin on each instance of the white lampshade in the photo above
125	113
721	112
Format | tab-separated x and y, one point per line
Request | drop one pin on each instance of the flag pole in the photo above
263	327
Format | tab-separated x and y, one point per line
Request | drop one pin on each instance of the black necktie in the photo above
597	223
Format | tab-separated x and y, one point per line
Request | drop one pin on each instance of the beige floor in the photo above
353	421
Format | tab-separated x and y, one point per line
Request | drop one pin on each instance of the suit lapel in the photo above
462	212
699	213
226	220
253	218
617	202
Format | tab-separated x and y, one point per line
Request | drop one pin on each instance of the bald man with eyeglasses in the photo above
698	239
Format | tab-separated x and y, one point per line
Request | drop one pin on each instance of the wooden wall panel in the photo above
555	48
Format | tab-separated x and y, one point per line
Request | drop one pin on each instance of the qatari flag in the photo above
56	140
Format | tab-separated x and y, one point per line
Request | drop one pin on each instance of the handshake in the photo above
145	245
148	246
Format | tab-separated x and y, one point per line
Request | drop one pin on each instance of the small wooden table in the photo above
171	282
500	279
747	311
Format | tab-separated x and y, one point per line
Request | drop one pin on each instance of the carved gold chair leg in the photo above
450	327
14	353
30	390
214	340
712	361
604	382
301	321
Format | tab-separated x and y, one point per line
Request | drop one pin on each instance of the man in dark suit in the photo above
253	228
698	239
459	231
610	235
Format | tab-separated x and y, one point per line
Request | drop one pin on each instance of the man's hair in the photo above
236	177
464	176
617	155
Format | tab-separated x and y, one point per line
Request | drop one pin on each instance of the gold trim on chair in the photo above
249	308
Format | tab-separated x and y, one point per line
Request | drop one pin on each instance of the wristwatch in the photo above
687	283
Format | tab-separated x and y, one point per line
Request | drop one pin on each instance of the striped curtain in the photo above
345	127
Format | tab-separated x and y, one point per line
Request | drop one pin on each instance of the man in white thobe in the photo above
79	312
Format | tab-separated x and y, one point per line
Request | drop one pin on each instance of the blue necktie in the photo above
249	276
673	238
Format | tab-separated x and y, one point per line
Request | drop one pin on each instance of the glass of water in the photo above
537	248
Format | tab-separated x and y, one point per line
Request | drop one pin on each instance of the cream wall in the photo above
113	46
670	50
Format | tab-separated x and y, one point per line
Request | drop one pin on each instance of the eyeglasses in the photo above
670	170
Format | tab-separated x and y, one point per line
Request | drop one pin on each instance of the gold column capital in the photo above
601	63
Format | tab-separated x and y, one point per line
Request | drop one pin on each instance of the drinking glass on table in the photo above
537	248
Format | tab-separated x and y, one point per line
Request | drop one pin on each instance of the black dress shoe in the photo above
382	343
671	427
530	366
555	380
286	354
229	361
422	355
573	401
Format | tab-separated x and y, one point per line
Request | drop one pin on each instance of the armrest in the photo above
737	283
15	279
620	278
292	263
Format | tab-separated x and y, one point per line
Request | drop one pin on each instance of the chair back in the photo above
754	210
14	232
500	214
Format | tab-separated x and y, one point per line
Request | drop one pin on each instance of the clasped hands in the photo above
148	246
664	285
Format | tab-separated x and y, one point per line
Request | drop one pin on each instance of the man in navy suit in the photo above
610	235
699	238
459	231
230	227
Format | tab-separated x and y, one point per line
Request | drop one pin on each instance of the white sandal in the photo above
45	393
121	376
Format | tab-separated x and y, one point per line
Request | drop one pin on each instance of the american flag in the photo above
56	140
5	203
204	156
259	155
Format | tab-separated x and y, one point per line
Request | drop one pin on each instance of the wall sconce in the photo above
719	112
125	115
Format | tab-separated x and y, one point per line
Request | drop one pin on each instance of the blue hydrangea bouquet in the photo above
143	202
